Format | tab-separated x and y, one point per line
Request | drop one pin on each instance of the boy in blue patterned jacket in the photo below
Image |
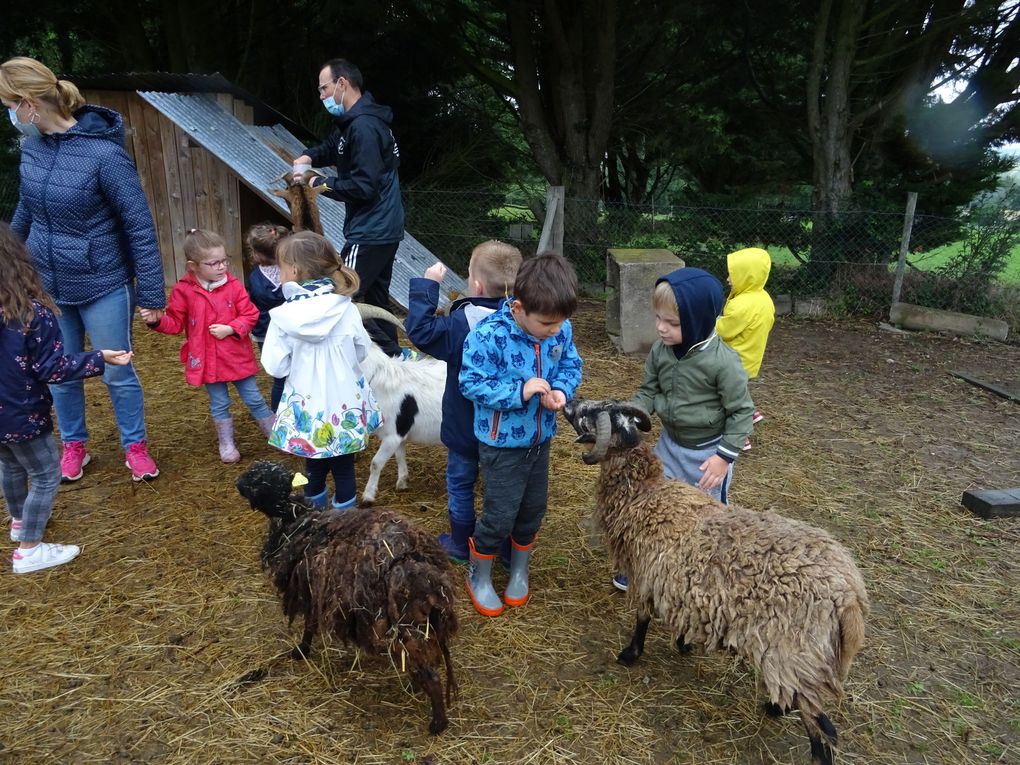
520	367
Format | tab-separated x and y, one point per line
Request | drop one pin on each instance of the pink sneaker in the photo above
747	446
757	416
142	465
73	461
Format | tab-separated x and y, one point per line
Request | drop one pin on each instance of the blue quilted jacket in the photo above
83	215
499	357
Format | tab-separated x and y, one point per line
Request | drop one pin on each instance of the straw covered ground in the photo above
129	654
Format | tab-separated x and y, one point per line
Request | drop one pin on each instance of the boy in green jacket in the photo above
696	384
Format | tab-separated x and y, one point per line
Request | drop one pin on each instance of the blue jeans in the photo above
30	473
461	475
219	398
107	322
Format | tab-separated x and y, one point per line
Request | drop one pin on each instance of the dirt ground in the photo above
129	654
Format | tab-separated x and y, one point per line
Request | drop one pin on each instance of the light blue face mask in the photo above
331	105
29	129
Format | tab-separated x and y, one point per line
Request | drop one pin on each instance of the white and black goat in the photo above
410	397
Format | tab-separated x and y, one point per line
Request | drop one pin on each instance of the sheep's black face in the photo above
267	486
607	424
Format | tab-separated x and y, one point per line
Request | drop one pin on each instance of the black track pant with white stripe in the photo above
374	265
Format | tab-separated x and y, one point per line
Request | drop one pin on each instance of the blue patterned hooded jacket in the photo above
499	357
83	215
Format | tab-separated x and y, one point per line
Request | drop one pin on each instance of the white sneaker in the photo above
15	529
43	555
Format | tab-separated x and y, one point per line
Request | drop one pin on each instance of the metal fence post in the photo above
551	239
908	225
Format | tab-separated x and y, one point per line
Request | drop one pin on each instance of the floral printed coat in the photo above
317	341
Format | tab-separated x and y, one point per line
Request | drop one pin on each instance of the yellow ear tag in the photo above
298	482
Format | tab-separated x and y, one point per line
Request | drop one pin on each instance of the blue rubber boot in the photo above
320	500
344	505
456	542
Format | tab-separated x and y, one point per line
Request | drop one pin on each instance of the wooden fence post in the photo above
908	225
551	239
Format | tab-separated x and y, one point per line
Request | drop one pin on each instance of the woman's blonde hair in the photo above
24	78
313	257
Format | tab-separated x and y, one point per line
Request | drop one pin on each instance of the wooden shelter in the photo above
185	184
208	152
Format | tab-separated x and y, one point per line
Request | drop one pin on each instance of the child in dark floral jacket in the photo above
31	355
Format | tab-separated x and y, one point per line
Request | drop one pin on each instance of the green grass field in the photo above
926	261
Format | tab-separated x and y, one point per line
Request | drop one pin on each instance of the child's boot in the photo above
517	586
266	424
320	500
479	583
456	542
225	434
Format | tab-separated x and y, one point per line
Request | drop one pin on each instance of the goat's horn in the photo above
644	422
369	311
603	432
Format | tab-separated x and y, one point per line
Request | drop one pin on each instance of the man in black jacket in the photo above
366	156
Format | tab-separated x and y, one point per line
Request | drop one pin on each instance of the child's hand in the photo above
554	400
118	358
151	315
714	471
220	331
436	272
535	385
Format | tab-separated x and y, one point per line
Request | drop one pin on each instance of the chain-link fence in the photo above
841	265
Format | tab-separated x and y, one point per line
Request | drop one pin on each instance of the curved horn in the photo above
603	432
644	422
369	311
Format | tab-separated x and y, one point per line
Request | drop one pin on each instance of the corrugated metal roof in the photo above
253	154
177	82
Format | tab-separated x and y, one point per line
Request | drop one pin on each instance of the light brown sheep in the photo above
782	594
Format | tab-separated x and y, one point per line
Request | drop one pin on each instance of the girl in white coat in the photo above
317	341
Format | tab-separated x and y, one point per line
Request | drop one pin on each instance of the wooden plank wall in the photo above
185	185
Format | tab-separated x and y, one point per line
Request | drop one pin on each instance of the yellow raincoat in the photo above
749	312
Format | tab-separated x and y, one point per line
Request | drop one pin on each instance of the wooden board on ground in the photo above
997	390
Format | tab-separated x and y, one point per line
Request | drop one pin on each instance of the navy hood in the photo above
699	296
96	122
365	107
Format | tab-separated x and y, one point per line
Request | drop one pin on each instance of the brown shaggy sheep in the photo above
367	577
782	594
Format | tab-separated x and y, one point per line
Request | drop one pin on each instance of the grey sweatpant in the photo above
516	494
30	478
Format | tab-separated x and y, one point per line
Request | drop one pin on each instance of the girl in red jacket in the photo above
213	309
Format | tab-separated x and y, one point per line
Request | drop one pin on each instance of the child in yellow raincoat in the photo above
749	313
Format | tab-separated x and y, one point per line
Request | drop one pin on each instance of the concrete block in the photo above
996	503
918	317
812	307
784	304
630	279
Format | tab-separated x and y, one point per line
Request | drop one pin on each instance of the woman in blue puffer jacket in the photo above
82	214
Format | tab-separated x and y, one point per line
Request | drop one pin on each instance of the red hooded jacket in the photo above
193	308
